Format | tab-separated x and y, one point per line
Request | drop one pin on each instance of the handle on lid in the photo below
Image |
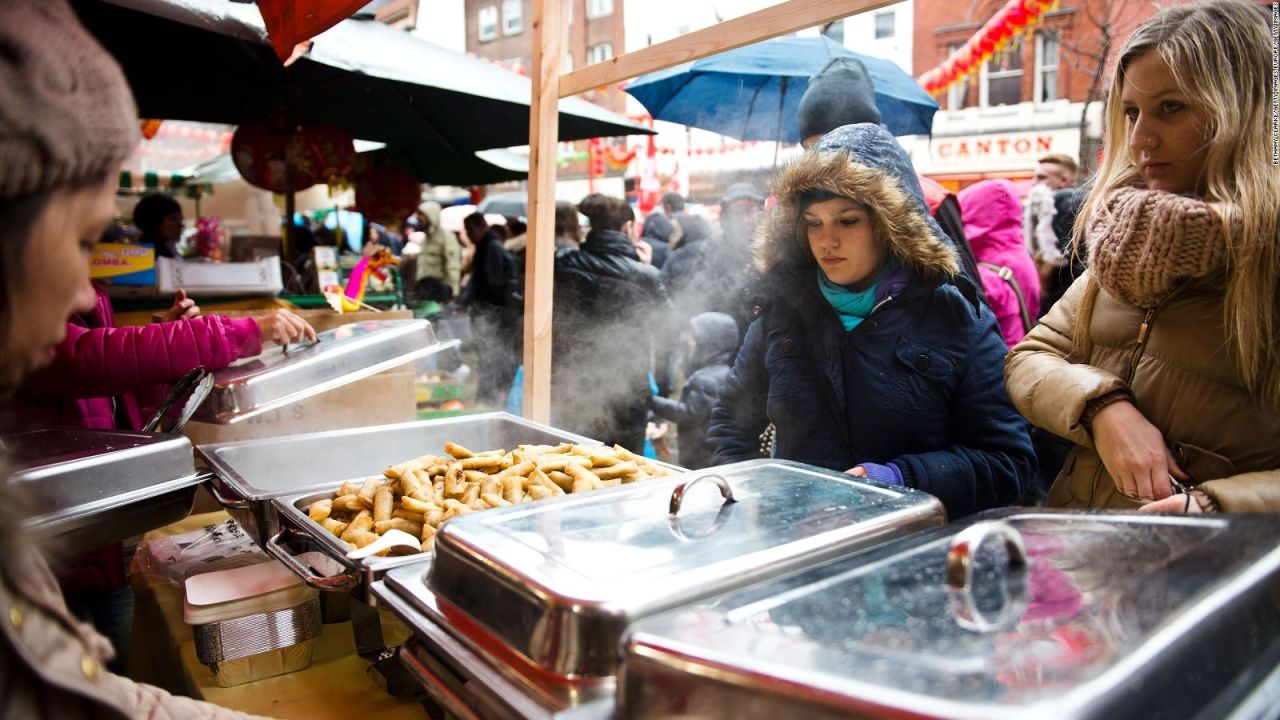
275	548
284	349
677	495
966	543
212	486
964	608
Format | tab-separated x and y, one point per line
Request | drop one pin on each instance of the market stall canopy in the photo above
753	93
210	60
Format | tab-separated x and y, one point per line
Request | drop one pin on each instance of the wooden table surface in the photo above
335	685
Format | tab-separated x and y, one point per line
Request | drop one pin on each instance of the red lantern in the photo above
387	195
261	153
328	153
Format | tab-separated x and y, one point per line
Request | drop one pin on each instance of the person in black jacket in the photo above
872	353
494	309
842	93
712	340
605	299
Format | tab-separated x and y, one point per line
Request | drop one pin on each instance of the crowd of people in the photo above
863	319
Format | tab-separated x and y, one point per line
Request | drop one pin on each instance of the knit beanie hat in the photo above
66	113
840	94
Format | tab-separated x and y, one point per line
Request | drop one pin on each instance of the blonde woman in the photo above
1162	363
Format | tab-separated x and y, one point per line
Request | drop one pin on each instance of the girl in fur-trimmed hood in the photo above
870	353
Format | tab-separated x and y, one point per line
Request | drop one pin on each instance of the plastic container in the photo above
252	622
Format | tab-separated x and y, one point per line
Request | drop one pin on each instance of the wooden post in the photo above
549	31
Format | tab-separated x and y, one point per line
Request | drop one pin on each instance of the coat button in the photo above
89	667
756	310
15	617
870	326
787	345
922	362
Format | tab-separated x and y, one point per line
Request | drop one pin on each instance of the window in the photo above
1002	78
885	25
512	17
599	8
488	23
1046	66
566	62
599	53
959	90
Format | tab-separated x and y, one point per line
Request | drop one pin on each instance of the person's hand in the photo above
184	308
655	431
645	251
856	471
1174	504
1134	452
283	327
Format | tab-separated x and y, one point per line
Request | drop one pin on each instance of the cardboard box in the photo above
382	399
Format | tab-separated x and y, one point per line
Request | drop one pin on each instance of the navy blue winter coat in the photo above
917	385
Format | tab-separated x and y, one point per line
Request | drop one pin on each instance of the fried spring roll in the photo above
582	475
337	527
494	500
563	480
362	523
409	526
408	515
513	488
320	509
538	492
471	492
348	503
619	470
519	470
383	504
418	506
480	462
457	451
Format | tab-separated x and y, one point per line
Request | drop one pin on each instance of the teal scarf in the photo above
853	307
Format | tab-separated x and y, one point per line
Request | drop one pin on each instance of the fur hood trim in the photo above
868	170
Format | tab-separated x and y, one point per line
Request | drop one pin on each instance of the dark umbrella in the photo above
210	60
753	93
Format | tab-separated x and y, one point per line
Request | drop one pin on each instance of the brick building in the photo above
502	31
1030	99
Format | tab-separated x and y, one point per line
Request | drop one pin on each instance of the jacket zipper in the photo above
1144	332
880	304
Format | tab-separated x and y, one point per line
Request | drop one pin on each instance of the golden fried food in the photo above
420	494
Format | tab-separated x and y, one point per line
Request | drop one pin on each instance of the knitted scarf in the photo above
1147	242
852	306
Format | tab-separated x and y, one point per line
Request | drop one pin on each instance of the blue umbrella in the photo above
753	93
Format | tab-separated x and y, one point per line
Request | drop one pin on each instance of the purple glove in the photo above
888	474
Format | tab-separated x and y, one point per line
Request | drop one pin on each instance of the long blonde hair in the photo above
1220	54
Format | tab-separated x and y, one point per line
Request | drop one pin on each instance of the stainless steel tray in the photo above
559	582
94	487
280	376
249	474
298	533
1011	614
470	675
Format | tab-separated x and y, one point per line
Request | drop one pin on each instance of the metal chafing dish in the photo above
94	487
1013	614
249	475
521	609
284	375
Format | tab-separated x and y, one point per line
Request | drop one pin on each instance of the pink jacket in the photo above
98	362
993	225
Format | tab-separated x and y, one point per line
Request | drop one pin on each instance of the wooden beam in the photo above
549	31
780	19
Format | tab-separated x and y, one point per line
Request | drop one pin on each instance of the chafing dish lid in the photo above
620	554
283	375
908	627
75	472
